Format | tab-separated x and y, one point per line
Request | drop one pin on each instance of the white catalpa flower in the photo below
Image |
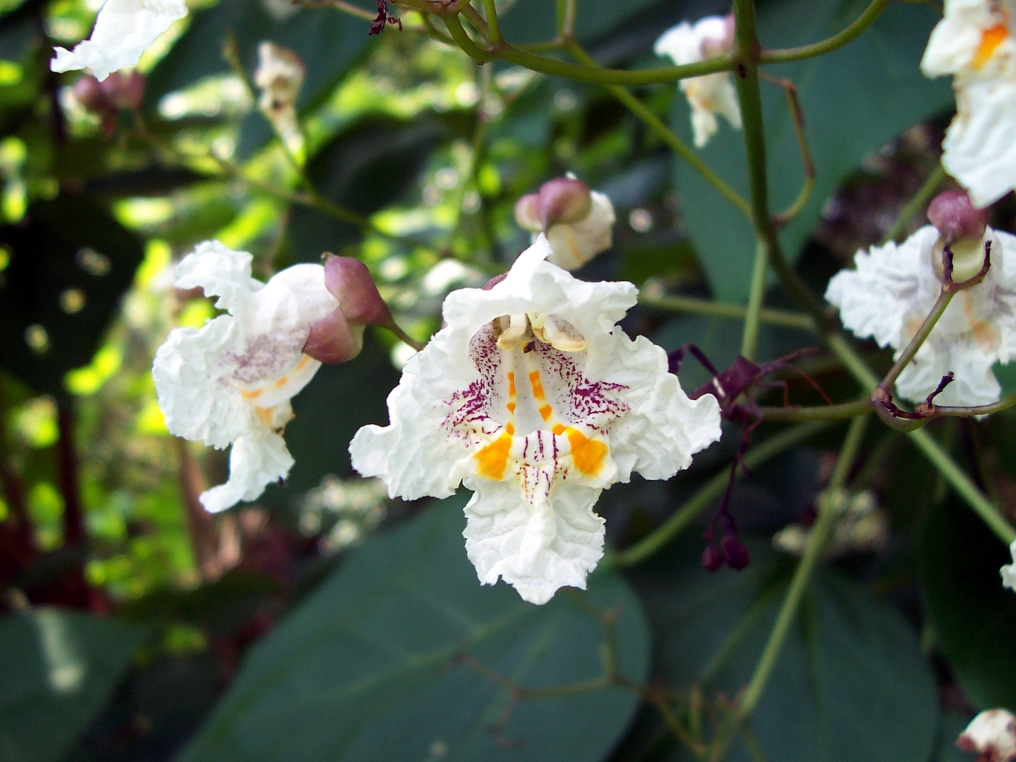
230	381
710	94
578	222
992	734
893	289
124	29
975	44
536	400
1009	571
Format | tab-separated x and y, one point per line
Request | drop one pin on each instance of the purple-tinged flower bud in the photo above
527	214
712	558
956	217
351	283
124	90
90	93
563	200
339	336
963	229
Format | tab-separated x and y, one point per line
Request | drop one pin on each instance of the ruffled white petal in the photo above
537	549
1009	571
230	381
979	148
124	29
955	39
535	426
893	288
257	459
575	244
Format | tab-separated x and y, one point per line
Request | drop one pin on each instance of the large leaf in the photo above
850	683
973	615
854	100
69	263
371	668
59	668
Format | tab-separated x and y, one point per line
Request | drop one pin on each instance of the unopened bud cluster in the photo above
577	221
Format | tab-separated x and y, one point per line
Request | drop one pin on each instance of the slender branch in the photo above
917	203
749	340
710	492
650	119
918	341
818	413
708	307
464	41
797	118
493	25
862	22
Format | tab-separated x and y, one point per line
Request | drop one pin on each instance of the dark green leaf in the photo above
69	263
854	100
370	667
850	684
59	668
536	20
973	615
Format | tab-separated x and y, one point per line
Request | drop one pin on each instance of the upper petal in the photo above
257	459
124	29
221	272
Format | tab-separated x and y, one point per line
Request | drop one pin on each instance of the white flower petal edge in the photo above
576	243
974	42
124	29
1008	571
710	94
533	397
892	290
230	381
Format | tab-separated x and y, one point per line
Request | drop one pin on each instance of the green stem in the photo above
708	307
749	340
817	413
952	473
914	206
493	25
820	533
862	22
712	491
918	341
661	130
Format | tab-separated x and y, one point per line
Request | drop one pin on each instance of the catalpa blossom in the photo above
894	287
536	400
710	94
230	382
279	77
974	42
578	222
124	29
992	734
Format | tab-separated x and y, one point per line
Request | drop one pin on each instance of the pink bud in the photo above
350	282
737	555
90	94
124	90
333	340
956	217
563	201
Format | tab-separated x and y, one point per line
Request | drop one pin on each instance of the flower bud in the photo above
956	217
577	221
992	734
339	336
124	90
563	201
90	94
737	555
712	48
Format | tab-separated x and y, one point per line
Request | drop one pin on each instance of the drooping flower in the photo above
975	43
124	29
1009	571
710	94
536	400
230	381
578	222
279	77
891	292
992	734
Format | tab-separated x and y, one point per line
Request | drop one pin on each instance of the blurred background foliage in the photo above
137	627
